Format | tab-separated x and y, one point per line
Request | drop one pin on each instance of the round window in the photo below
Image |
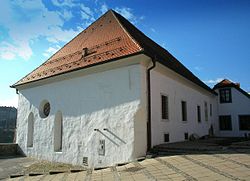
44	109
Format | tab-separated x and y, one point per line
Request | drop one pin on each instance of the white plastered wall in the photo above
165	81
240	106
110	99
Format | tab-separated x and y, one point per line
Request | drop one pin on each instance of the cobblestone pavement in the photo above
209	166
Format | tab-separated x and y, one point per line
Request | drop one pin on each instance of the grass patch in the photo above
46	166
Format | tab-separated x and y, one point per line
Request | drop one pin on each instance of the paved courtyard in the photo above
223	165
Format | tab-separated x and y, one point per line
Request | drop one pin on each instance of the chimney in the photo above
84	52
237	84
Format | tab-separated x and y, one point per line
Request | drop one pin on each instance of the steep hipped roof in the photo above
110	37
227	83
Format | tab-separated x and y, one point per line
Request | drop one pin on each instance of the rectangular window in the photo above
225	122
244	122
186	136
206	111
184	110
225	95
211	110
199	114
166	137
164	107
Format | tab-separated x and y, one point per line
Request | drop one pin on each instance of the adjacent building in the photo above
8	116
108	96
234	110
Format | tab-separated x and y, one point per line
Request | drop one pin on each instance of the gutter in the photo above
149	144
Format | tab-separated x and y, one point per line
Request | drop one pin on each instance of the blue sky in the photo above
211	38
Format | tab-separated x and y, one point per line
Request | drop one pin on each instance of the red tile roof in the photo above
226	83
104	40
110	37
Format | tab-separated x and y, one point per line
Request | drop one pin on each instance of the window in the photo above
58	132
44	109
199	114
186	136
164	107
30	135
225	96
211	110
206	111
225	122
184	110
166	137
244	122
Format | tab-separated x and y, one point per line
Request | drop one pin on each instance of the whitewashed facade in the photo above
107	102
111	100
178	89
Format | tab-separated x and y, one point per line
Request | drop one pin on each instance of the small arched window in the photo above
58	132
30	135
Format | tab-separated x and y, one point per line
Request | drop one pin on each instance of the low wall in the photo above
8	149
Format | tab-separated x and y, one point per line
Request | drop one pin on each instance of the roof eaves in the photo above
91	65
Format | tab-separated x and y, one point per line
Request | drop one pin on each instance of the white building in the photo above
234	110
108	96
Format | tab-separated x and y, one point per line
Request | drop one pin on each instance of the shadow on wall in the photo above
109	135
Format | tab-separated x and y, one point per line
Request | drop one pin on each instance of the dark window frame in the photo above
164	107
223	125
186	136
184	111
244	126
211	110
225	95
198	113
206	110
166	137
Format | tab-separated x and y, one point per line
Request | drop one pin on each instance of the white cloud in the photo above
24	28
198	68
153	30
10	51
62	35
9	102
7	55
51	50
213	81
87	13
67	15
69	3
163	45
104	8
128	14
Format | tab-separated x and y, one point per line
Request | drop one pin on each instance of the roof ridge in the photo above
125	30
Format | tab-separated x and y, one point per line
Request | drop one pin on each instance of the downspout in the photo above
149	104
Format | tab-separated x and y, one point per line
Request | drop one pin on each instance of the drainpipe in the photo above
149	104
